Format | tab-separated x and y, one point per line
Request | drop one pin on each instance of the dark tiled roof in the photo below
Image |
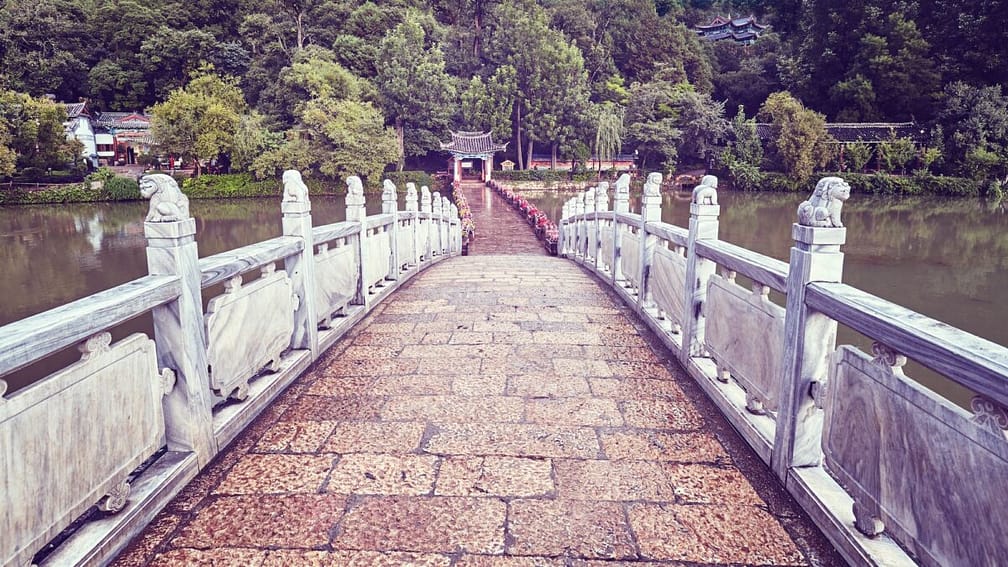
75	109
472	143
871	132
123	120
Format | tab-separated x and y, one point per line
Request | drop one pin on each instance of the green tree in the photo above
35	133
416	92
857	155
975	122
42	43
652	122
895	153
703	125
744	153
608	131
252	139
199	121
487	105
798	139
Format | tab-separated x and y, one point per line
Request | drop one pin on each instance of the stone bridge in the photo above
371	397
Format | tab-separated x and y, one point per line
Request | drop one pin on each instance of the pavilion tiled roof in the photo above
123	120
473	143
868	132
75	109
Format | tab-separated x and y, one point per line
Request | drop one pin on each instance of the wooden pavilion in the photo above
468	146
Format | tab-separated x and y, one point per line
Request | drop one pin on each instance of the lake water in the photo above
946	258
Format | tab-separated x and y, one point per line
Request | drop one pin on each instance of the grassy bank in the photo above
879	184
238	185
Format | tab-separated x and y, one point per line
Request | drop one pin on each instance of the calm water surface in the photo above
946	258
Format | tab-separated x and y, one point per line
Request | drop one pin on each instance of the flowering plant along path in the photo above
501	409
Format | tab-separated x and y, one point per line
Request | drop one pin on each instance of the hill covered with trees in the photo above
340	86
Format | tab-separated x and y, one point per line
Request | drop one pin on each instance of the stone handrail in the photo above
882	464
250	343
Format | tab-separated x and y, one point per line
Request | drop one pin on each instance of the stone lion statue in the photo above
706	192
652	187
294	188
355	191
823	207
167	202
388	190
623	185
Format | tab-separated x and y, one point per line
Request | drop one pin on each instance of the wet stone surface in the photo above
500	409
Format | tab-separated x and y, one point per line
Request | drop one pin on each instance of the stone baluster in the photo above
355	213
621	204
703	225
412	206
179	332
809	337
601	206
297	222
390	206
650	212
564	229
426	206
455	228
579	209
437	208
589	224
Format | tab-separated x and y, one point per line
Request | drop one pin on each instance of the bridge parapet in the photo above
176	398
881	463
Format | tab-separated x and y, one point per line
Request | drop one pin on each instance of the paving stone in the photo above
479	385
276	474
503	561
454	409
293	521
333	408
330	385
569	528
374	437
706	484
613	480
289	558
640	370
661	414
581	367
574	411
141	549
635	389
513	440
494	476
712	534
547	386
221	557
662	446
369	473
416	385
427	523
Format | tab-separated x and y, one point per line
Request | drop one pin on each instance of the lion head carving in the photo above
167	202
824	206
652	187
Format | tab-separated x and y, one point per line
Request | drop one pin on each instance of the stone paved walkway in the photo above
496	411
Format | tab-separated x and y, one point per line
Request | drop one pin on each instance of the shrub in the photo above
122	189
230	185
400	178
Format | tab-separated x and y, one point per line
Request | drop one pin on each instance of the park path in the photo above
498	410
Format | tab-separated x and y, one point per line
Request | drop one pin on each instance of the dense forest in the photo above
339	86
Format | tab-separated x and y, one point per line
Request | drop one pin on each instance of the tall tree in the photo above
416	92
798	140
608	131
199	122
33	128
487	105
42	45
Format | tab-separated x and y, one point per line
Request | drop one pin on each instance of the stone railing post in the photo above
297	221
425	228
356	213
411	206
589	225
437	210
179	332
454	228
601	206
650	212
562	244
569	230
390	206
703	225
621	204
809	337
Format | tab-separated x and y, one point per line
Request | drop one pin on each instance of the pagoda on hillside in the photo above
740	30
467	146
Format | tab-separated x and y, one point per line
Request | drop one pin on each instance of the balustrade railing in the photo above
78	438
892	472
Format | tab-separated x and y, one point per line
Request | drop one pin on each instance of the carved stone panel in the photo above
606	245
336	274
376	267
745	335
72	438
248	327
668	285
405	241
915	463
630	256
